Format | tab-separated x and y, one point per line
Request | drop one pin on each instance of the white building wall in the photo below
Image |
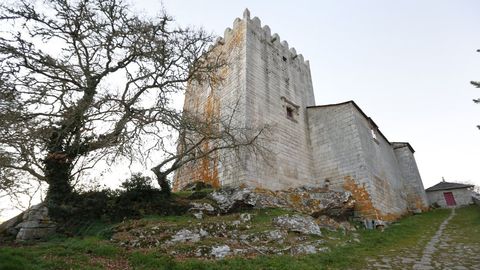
387	183
336	147
347	156
462	197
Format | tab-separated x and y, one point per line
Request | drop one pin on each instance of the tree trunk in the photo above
58	168
163	183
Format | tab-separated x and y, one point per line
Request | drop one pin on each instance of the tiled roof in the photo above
447	185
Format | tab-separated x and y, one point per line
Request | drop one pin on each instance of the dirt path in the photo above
449	248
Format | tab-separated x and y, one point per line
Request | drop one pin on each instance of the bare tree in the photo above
85	80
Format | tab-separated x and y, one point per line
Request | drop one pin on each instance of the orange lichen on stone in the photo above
203	100
419	204
208	171
363	204
295	199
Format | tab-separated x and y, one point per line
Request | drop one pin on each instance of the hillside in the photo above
247	238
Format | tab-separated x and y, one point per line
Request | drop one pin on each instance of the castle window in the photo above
373	130
289	112
291	109
374	135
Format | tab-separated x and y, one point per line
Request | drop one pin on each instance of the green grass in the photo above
81	252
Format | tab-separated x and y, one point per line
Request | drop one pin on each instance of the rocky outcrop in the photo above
36	224
229	199
33	224
297	223
214	239
199	209
312	201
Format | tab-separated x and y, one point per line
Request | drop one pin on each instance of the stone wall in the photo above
337	152
462	197
349	152
387	184
416	196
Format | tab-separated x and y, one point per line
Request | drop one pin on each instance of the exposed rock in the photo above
297	223
236	223
276	235
198	215
8	227
375	224
345	225
323	249
229	199
220	251
319	201
195	186
36	224
202	251
201	207
303	249
186	235
203	233
245	217
308	200
332	225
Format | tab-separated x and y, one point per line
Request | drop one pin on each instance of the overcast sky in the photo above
407	64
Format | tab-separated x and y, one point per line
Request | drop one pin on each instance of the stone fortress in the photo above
335	146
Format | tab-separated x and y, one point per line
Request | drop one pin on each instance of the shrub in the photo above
136	198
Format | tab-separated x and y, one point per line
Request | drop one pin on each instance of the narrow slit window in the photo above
374	134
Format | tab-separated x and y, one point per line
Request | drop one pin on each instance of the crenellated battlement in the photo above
273	39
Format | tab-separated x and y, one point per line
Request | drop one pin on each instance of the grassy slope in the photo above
94	252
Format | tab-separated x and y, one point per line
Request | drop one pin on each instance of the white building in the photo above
447	194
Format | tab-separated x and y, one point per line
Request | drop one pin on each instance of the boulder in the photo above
229	199
33	224
7	228
297	223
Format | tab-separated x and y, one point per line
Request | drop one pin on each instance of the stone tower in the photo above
272	85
